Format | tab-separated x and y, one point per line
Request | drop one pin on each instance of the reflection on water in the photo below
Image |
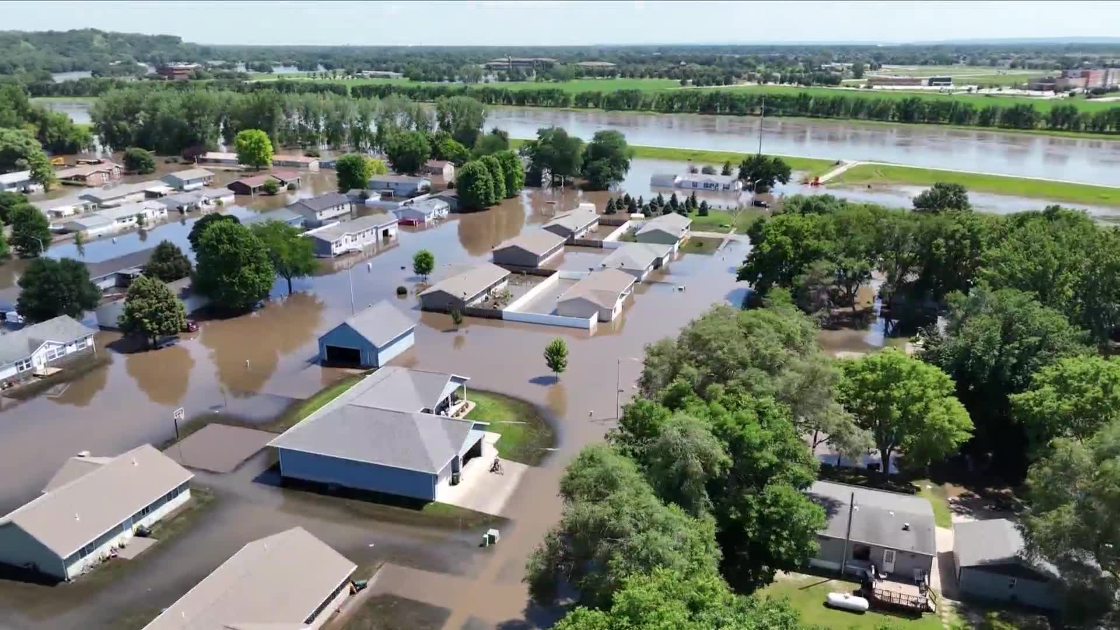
163	375
557	399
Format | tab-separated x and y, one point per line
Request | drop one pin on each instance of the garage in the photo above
340	355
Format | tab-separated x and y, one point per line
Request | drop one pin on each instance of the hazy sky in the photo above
570	23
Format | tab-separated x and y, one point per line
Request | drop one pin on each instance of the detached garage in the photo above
371	338
992	565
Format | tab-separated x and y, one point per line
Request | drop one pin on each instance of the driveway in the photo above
478	488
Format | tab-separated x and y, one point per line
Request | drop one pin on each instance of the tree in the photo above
254	148
31	232
491	143
462	117
556	152
205	221
606	159
139	161
168	263
703	211
784	246
456	316
408	151
270	186
423	263
683	460
8	202
707	169
291	255
513	171
20	151
470	73
152	310
497	178
376	166
79	244
452	151
352	171
232	267
1072	398
50	288
943	197
906	405
857	70
760	172
474	185
556	356
726	170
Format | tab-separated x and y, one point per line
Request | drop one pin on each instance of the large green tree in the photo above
491	143
232	267
292	255
497	178
139	161
906	405
783	248
352	171
606	159
450	150
474	185
168	263
151	309
760	172
31	232
513	170
49	288
1073	398
408	151
8	202
20	151
943	197
462	117
204	222
555	152
254	148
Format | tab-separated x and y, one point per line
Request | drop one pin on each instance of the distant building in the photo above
371	338
700	181
440	168
531	249
381	74
353	236
91	507
574	224
254	185
117	194
400	185
296	161
32	348
97	174
283	215
422	212
178	71
117	218
600	294
222	158
596	65
509	63
198	199
63	206
318	210
893	81
19	181
466	287
189	179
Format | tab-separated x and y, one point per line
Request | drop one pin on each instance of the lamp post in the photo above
618	383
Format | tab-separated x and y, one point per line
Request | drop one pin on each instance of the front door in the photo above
888	561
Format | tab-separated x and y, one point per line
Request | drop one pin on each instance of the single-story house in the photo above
296	161
91	224
363	197
992	564
286	580
216	196
251	185
108	314
639	259
129	215
401	185
352	236
91	508
119	194
531	249
318	210
574	224
663	180
891	531
667	229
63	206
186	201
440	168
32	348
464	288
118	272
422	212
219	157
189	179
449	196
371	338
20	181
360	441
287	177
700	181
601	293
97	174
284	215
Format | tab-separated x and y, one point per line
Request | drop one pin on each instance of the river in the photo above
1088	160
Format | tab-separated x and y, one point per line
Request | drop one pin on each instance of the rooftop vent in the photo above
906	527
83	453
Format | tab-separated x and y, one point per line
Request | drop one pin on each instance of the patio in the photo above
478	488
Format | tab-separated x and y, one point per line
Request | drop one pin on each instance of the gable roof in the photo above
637	256
994	542
18	345
85	170
671	223
469	282
380	323
572	221
90	221
113	191
537	242
187	175
335	231
879	517
321	202
283	214
722	180
425	206
73	468
602	287
17	177
70	516
401	389
131	209
274	582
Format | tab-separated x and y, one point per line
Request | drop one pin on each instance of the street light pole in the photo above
618	383
350	276
761	119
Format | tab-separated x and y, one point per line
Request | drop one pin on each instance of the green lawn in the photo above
998	184
811	166
700	245
301	410
938	497
575	86
807	594
526	435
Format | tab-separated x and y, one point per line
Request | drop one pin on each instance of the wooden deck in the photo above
904	596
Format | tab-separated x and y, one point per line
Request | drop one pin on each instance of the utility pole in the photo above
350	276
848	535
761	119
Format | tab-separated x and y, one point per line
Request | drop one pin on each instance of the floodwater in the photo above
1087	160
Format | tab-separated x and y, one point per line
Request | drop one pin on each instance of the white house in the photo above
91	507
422	212
601	293
440	168
34	347
318	210
20	181
401	185
352	236
92	224
129	215
699	181
63	207
189	179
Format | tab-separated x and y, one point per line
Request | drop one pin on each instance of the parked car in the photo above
759	203
191	326
166	342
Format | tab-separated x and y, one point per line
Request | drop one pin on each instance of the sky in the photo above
571	23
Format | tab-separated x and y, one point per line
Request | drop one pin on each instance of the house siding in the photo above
831	556
338	597
518	257
980	584
371	356
48	354
394	348
358	475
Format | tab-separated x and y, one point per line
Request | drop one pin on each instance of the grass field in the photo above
807	594
526	435
578	85
996	184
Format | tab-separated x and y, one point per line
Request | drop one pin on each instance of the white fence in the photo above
531	294
513	314
611	241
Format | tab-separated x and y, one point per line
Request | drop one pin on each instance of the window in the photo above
24	365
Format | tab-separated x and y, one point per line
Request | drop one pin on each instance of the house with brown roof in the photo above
97	174
440	168
531	249
574	224
255	184
600	293
464	288
91	508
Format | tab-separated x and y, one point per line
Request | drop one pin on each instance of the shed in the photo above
531	249
574	224
992	564
464	288
638	259
601	293
371	338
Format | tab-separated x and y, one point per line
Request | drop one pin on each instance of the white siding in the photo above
332	607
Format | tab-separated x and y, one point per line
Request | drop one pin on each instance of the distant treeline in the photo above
915	109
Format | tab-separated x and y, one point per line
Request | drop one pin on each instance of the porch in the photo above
905	596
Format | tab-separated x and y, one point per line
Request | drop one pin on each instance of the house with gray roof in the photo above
866	528
344	237
371	338
574	224
638	259
600	294
189	179
394	433
283	215
63	206
286	580
39	346
464	288
400	185
422	211
20	182
318	210
112	195
88	511
667	229
531	249
992	564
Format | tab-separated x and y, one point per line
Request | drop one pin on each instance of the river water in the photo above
1087	160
